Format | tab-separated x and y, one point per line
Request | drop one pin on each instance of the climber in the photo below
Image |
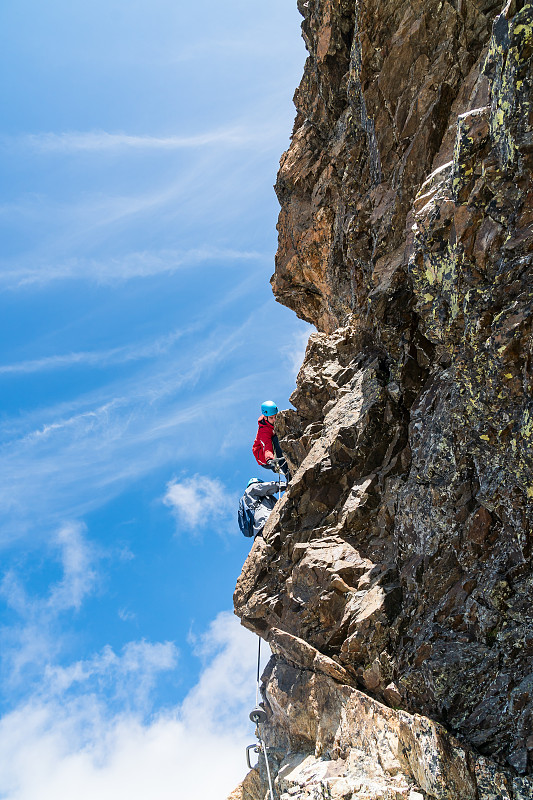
256	504
266	447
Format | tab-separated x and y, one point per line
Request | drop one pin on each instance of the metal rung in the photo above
256	749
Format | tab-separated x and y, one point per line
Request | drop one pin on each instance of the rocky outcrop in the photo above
335	742
250	788
394	579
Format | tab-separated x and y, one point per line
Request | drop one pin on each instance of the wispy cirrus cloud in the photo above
100	141
113	270
78	455
139	351
96	358
294	350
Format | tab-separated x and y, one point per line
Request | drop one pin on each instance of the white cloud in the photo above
125	615
56	748
79	576
131	675
198	501
33	640
78	561
224	676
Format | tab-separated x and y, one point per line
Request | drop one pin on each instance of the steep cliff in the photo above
394	579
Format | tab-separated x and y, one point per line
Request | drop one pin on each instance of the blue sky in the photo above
139	145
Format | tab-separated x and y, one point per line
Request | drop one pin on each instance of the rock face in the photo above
394	580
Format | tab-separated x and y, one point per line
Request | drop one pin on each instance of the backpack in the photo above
246	520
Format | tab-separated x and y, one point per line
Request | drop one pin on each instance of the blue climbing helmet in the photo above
269	408
252	480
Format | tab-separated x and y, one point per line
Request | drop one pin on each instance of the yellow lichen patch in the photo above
454	305
527	427
499	117
524	29
432	274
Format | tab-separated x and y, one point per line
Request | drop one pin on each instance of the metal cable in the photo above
267	768
258	667
257	723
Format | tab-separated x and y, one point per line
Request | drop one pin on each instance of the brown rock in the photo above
392	695
251	788
401	554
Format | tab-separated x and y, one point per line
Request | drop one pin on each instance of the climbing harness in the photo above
277	468
258	716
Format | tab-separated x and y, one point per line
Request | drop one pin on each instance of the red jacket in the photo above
263	448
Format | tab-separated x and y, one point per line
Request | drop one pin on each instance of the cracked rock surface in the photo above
394	579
